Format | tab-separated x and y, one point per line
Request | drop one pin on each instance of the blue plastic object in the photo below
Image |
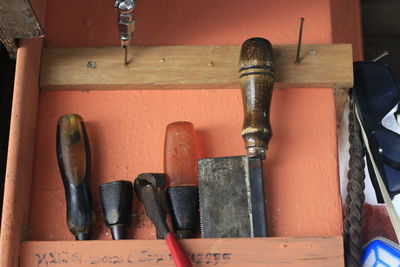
381	252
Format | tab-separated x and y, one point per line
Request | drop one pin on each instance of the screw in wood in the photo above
299	42
312	51
91	65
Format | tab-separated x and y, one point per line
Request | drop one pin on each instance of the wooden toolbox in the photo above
126	124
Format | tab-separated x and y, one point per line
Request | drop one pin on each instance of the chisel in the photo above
180	165
73	154
231	189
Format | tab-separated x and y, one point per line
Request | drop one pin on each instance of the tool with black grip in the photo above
73	154
231	189
159	181
155	205
180	165
116	202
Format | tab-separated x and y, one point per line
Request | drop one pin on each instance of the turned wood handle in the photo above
73	154
257	75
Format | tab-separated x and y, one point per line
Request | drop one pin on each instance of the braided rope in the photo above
355	193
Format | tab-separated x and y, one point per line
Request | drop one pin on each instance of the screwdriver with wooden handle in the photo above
73	154
180	165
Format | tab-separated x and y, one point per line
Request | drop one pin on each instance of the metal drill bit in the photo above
299	43
126	55
126	23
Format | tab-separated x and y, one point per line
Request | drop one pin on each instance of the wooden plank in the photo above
190	67
20	156
278	251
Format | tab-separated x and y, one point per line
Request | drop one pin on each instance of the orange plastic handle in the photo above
178	254
180	154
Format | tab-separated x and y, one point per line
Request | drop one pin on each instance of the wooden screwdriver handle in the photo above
73	154
257	75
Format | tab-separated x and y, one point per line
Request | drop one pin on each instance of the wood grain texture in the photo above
257	76
190	67
315	251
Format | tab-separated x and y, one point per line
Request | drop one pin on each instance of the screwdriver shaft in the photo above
299	42
126	55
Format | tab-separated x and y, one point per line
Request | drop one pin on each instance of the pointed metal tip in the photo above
82	236
126	55
118	231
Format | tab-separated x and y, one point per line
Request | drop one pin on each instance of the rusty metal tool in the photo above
155	205
126	24
116	202
17	20
73	154
159	181
180	165
297	61
231	189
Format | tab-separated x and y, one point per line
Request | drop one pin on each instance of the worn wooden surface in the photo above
17	186
18	180
17	20
190	67
307	251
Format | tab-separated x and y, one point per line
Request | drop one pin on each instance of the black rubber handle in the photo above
73	154
184	203
116	201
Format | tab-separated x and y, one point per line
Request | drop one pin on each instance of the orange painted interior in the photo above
126	128
346	25
17	184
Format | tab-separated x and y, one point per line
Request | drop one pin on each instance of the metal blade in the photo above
231	195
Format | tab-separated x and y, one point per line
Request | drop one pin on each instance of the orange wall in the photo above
126	128
177	22
346	25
